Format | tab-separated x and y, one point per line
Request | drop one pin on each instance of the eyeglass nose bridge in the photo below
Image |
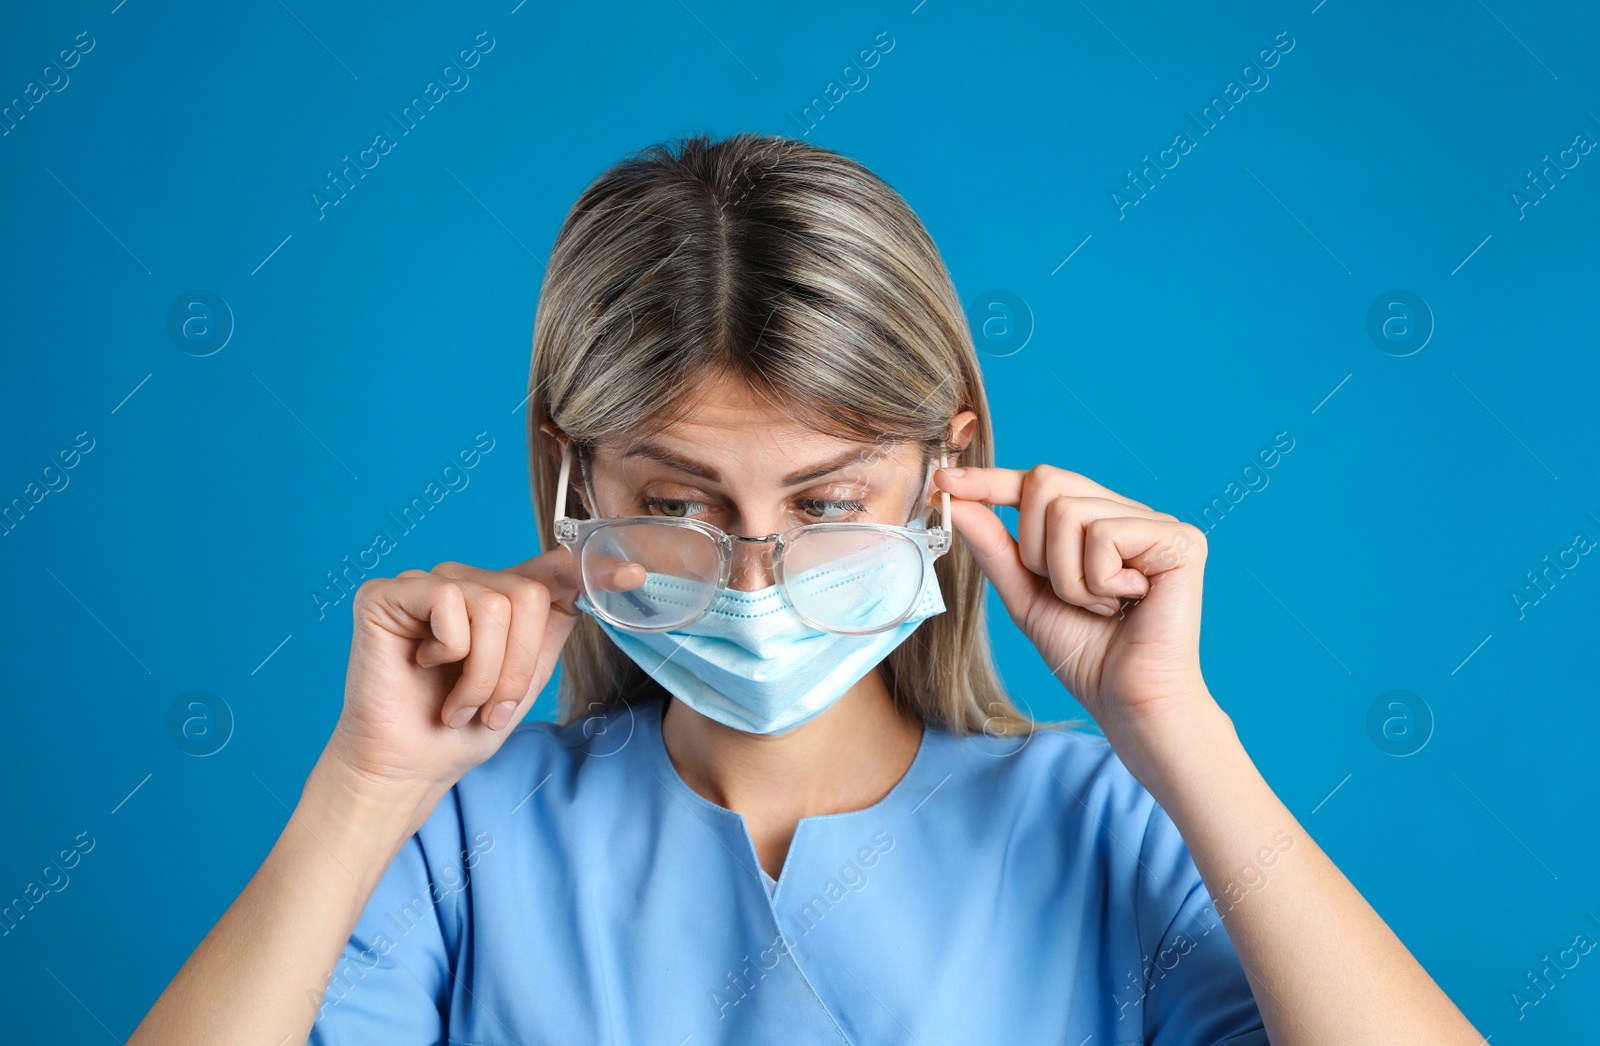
764	565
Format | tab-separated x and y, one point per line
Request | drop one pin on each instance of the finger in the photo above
432	651
530	610
550	638
1086	568
1051	543
997	555
1074	500
490	613
417	608
1000	486
1041	512
428	652
610	574
555	569
1169	554
450	624
1109	543
536	632
1149	546
556	572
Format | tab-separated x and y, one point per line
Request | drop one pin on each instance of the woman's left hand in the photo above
1080	545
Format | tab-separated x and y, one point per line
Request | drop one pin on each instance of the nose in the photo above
751	568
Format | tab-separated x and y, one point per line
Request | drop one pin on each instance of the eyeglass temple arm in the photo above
561	482
944	498
942	543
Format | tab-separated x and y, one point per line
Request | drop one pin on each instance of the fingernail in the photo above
958	473
501	714
1102	609
459	719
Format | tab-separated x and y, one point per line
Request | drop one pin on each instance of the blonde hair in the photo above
799	272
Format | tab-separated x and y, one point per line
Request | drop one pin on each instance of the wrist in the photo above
335	790
1169	748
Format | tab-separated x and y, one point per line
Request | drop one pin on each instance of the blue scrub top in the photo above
573	888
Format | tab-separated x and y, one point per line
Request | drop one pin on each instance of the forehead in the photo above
734	462
733	437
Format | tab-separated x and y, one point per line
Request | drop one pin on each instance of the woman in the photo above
789	800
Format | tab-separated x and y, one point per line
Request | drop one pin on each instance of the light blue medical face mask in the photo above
750	662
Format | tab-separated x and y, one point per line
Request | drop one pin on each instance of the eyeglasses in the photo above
851	578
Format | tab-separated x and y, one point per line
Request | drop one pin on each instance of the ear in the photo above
963	427
555	443
552	440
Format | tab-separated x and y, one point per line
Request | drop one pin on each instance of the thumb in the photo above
997	554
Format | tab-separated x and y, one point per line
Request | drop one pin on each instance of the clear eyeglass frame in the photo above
574	534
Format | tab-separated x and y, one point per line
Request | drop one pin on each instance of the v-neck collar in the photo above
662	768
661	762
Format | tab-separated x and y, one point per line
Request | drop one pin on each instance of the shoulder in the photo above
548	794
540	745
1066	792
544	770
553	758
1055	773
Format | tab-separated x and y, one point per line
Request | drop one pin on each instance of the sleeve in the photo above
1196	991
393	980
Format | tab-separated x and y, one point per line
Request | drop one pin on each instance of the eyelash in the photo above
850	507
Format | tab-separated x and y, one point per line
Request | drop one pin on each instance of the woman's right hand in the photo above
427	645
441	662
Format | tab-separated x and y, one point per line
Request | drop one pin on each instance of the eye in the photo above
817	507
675	508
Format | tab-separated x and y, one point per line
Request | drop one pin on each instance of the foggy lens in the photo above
853	580
681	571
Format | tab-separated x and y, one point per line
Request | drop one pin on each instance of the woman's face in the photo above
752	471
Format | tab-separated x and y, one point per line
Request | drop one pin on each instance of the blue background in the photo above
1157	347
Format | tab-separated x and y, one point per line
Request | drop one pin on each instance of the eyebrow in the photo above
665	457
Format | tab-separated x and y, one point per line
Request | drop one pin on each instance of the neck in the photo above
847	758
